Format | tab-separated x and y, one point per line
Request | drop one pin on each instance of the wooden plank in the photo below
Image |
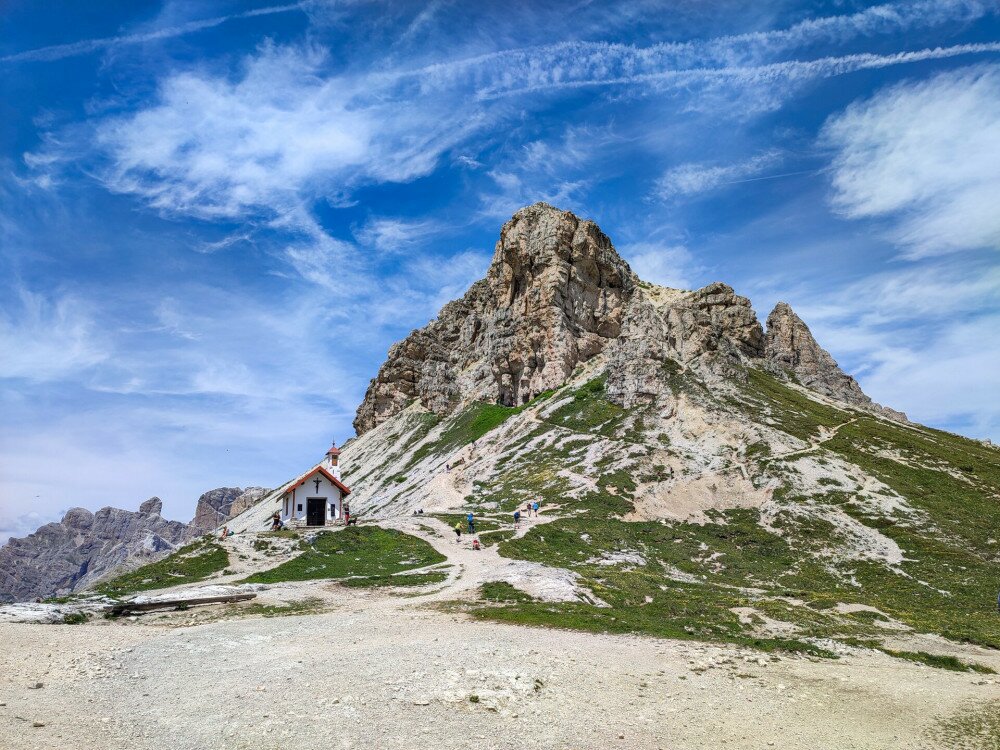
122	607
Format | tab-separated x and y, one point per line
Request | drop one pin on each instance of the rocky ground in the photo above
402	669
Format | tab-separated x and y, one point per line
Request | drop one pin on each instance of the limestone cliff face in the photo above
217	506
791	347
64	557
554	296
710	330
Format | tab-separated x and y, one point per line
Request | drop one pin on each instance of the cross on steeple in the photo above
316	481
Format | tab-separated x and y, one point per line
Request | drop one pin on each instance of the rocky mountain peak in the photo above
557	294
550	261
153	506
791	347
554	296
79	519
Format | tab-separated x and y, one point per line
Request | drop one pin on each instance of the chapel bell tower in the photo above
333	460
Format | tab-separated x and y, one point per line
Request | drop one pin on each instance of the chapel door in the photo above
316	511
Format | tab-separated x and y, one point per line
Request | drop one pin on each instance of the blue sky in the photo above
216	217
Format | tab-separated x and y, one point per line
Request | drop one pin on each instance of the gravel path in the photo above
388	669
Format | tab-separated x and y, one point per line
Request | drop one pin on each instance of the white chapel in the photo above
317	498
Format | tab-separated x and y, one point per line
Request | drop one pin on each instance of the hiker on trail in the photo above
458	532
475	544
535	508
224	534
517	518
472	523
276	523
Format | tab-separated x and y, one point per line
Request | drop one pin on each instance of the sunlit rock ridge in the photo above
556	295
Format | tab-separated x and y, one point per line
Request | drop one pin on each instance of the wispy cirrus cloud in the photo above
586	63
285	131
388	235
924	156
695	178
565	67
88	46
46	338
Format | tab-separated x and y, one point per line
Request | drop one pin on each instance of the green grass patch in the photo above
399	579
495	537
503	592
368	551
467	426
939	661
590	411
775	403
190	564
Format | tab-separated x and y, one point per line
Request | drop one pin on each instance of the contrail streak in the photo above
60	51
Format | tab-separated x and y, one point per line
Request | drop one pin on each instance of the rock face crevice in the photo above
556	295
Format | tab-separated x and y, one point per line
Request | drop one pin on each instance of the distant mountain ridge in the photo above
69	556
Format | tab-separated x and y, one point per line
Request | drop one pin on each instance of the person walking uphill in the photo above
458	532
517	518
472	523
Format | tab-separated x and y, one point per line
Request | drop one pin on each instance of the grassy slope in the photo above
947	585
364	556
952	567
469	425
190	564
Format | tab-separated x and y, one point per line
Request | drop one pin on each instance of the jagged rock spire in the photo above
791	347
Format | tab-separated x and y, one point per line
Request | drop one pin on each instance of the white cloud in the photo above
691	179
279	133
214	148
925	156
389	235
666	265
86	46
576	65
735	57
45	339
951	377
925	293
514	190
452	276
